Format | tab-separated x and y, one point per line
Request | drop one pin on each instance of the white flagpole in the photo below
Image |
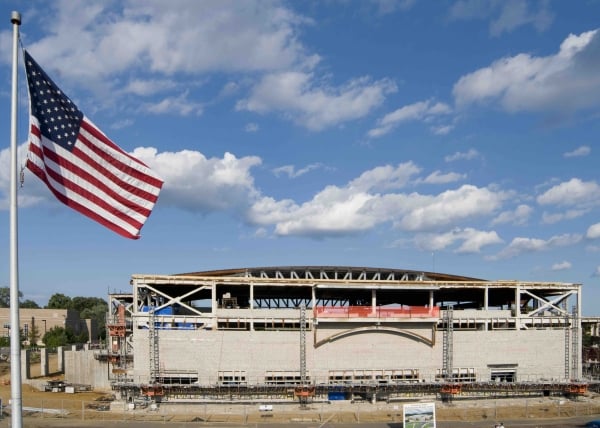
15	345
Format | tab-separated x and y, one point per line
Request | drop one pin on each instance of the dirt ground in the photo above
86	408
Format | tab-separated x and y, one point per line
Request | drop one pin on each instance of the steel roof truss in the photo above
549	304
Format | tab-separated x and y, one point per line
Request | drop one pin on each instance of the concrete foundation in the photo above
25	364
43	362
81	367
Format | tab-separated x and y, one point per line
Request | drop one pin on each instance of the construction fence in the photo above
317	412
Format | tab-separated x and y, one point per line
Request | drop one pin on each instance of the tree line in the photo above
88	307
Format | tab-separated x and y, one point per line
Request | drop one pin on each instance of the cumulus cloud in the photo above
468	155
162	44
251	127
472	240
593	231
160	38
33	192
564	82
578	152
422	110
561	266
450	206
372	199
309	103
518	216
437	177
175	105
146	87
573	192
521	245
550	218
292	172
199	184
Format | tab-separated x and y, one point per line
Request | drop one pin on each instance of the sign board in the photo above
419	415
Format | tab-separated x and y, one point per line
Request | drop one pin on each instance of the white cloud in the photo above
468	155
360	205
572	192
442	129
593	231
505	15
313	105
418	111
148	86
292	172
222	35
521	245
198	184
385	177
33	192
123	123
251	127
451	206
561	266
131	49
596	272
472	240
564	82
174	105
437	177
578	152
551	218
518	216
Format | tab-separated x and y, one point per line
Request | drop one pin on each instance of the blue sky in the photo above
449	136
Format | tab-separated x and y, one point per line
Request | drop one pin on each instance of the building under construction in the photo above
319	330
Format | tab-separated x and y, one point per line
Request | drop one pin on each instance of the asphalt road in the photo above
69	423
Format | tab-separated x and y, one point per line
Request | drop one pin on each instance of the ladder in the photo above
303	398
575	345
153	342
567	347
447	346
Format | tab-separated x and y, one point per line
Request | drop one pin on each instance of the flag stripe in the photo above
81	166
127	232
75	179
85	197
93	179
108	151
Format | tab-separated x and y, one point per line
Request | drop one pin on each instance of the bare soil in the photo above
88	408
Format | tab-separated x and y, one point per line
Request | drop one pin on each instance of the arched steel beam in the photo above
378	329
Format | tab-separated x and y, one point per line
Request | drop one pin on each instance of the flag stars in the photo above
59	117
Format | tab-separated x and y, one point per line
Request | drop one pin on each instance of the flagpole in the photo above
15	344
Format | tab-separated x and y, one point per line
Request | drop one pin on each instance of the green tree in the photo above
94	308
59	301
58	336
29	304
5	297
34	335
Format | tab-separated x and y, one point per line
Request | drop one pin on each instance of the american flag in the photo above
82	167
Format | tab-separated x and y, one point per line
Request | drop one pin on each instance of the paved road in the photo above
69	423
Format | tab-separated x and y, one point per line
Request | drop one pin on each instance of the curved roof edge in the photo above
332	272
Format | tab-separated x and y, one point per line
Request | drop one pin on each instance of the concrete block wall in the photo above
81	367
537	354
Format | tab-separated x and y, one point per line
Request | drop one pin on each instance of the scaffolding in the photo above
447	346
154	350
575	345
304	391
567	346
